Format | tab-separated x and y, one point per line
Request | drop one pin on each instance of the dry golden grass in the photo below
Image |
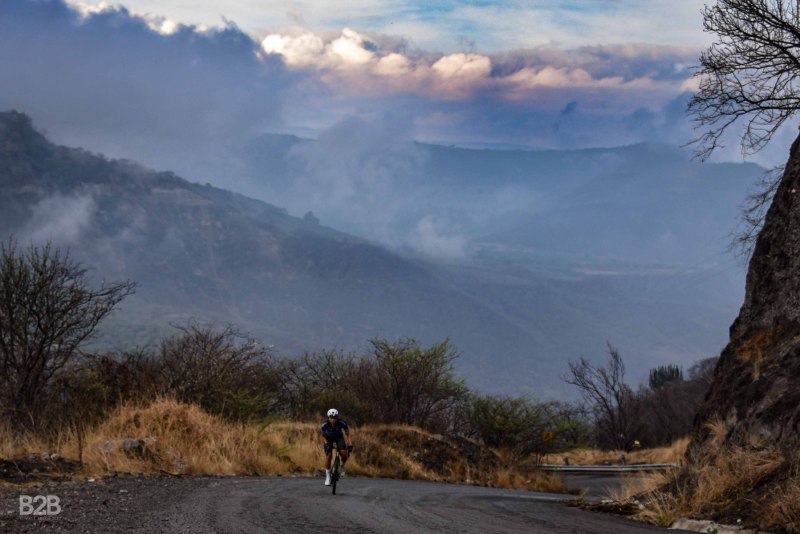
392	451
532	480
724	475
636	484
183	439
783	505
14	445
672	454
725	472
730	476
661	509
187	441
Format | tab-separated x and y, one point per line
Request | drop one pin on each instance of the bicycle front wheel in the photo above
335	473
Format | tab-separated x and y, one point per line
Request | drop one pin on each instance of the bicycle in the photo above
336	467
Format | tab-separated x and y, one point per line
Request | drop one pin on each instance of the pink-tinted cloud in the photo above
359	65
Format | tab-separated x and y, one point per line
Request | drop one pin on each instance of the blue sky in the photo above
494	26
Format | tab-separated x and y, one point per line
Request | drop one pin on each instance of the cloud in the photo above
184	98
352	174
305	49
300	51
60	219
351	49
393	64
106	80
431	238
357	65
463	66
156	23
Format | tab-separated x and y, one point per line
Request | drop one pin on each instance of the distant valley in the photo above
618	245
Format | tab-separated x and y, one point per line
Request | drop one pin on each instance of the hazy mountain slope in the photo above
197	251
516	313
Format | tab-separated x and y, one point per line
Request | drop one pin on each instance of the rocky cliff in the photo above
743	464
756	389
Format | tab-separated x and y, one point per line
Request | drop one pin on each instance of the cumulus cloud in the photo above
393	64
469	66
548	76
305	49
358	65
159	24
300	51
351	49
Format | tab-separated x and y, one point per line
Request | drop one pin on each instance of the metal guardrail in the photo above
606	469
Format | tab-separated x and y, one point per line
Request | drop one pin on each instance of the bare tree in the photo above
754	209
750	72
222	370
411	384
319	380
47	310
611	399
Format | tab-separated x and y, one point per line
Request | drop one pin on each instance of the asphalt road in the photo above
303	505
377	506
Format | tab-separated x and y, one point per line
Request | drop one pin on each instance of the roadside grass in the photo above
634	485
15	445
783	506
532	479
671	454
724	479
170	437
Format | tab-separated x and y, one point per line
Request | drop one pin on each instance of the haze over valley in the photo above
524	292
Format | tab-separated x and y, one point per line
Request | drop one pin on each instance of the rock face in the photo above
756	389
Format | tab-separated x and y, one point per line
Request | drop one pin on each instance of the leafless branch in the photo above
750	73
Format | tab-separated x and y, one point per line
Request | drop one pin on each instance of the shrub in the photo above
223	371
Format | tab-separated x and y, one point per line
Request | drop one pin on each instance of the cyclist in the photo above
334	430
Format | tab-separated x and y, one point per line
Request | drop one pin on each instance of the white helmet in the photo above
333	412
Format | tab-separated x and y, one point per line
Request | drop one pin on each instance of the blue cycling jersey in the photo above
336	431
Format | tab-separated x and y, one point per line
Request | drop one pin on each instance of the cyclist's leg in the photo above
342	444
328	458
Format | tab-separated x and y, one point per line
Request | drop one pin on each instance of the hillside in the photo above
197	251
